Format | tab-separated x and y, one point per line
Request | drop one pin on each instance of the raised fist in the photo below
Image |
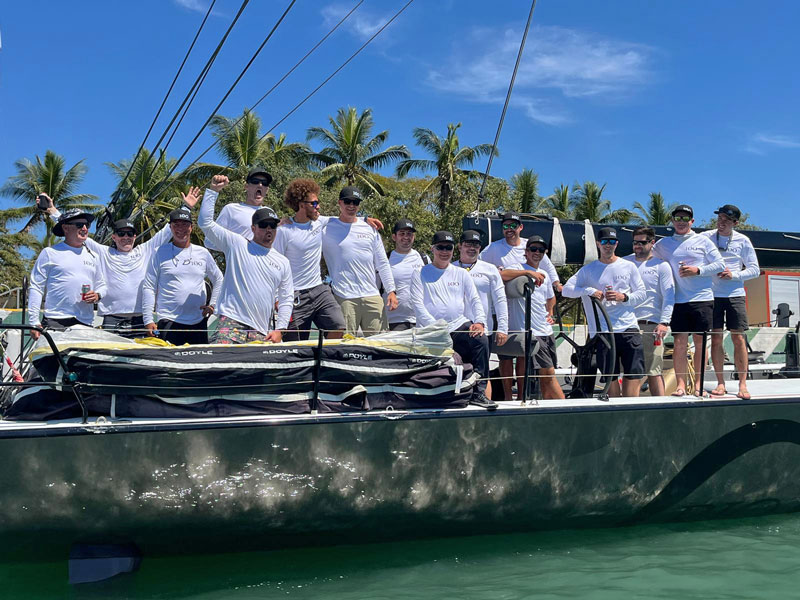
218	182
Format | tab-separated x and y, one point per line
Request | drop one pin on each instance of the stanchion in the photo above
317	361
703	360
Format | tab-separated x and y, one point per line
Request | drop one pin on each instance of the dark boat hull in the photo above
265	483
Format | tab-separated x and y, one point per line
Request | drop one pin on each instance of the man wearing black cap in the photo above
695	261
510	250
70	275
442	291
174	285
730	309
255	275
123	267
618	284
403	260
354	252
238	217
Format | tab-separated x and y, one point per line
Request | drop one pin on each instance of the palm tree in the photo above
656	213
590	204
525	186
350	154
560	204
449	160
49	176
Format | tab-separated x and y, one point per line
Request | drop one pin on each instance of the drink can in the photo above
657	341
85	290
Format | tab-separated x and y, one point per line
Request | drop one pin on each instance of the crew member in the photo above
510	250
490	288
694	260
618	283
730	309
174	285
440	290
543	302
68	275
403	260
655	313
255	275
238	217
354	252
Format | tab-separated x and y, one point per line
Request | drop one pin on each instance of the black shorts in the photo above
545	356
730	314
692	317
314	305
630	356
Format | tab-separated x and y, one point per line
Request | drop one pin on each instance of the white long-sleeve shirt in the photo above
255	276
541	294
60	271
491	291
301	243
693	250
403	267
503	255
660	300
174	284
353	253
447	294
622	276
235	217
740	257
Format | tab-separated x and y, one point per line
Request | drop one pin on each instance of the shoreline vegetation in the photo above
435	186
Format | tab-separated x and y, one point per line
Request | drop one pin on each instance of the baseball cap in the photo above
265	213
605	233
470	235
70	215
535	239
259	171
682	208
730	211
180	214
351	192
511	216
403	224
121	224
443	236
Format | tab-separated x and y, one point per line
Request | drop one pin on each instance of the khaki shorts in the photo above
653	355
367	313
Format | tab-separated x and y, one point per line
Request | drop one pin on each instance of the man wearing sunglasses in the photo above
442	291
510	250
694	260
618	284
174	286
354	252
404	261
655	313
123	266
60	274
256	275
237	217
730	309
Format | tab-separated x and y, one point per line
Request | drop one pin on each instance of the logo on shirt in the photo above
192	262
454	283
363	236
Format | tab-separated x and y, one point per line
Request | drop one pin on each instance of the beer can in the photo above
85	290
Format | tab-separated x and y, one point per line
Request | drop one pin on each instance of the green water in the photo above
753	558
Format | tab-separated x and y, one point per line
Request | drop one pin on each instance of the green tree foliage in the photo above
13	265
525	191
590	204
656	213
560	204
349	155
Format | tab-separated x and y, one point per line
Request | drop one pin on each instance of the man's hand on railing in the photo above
538	278
152	329
275	337
476	330
35	334
500	338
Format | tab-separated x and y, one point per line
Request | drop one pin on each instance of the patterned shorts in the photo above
230	331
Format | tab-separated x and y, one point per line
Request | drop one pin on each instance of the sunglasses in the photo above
258	181
78	224
608	242
351	201
314	203
535	249
641	242
444	247
684	219
129	234
507	226
267	225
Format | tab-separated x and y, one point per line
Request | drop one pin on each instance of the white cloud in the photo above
363	25
759	143
558	64
195	5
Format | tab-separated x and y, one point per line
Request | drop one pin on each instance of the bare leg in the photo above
656	384
507	372
549	384
631	387
334	335
680	361
740	360
488	391
614	391
520	371
718	359
699	361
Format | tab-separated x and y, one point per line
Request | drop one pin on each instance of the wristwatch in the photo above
625	297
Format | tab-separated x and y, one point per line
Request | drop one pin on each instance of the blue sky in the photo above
697	100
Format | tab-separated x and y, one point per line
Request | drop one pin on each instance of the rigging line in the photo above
230	90
505	106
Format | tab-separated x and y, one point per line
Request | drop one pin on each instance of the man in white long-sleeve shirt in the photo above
655	313
237	217
255	276
403	260
510	250
695	261
354	252
174	286
440	290
68	275
617	282
730	307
